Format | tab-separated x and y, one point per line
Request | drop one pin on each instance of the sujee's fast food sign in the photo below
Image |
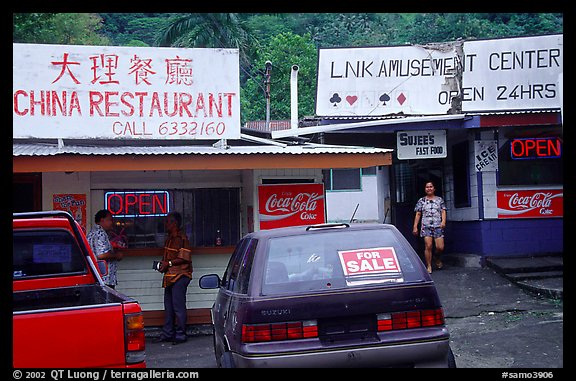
282	205
530	203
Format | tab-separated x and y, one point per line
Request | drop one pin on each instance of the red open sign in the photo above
137	204
535	148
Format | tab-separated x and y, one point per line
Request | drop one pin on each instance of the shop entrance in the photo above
408	182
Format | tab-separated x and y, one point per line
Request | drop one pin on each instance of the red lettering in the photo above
143	203
554	147
17	110
162	203
130	200
112	200
535	148
95	98
108	103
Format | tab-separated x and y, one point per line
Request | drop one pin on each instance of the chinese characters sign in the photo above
110	92
530	203
290	205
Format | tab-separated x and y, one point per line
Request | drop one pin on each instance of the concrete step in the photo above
534	275
509	265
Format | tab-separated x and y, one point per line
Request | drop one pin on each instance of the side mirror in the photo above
209	281
102	267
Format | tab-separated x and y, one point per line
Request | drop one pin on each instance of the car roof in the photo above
314	229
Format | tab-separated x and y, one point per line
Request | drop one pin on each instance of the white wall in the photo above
340	205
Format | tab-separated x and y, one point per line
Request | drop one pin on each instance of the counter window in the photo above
206	213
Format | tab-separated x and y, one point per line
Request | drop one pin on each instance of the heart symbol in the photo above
351	99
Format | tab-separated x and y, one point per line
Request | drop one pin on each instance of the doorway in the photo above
408	182
26	192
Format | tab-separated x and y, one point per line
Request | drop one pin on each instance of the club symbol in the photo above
335	99
384	98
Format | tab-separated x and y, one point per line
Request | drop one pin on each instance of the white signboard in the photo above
385	80
485	155
110	92
428	144
513	74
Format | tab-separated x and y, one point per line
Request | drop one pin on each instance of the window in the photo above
294	264
460	166
342	179
41	253
533	171
370	171
237	275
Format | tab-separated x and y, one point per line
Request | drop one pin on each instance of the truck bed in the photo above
80	296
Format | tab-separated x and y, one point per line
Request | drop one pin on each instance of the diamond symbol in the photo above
401	98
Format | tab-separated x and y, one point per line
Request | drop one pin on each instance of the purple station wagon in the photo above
331	295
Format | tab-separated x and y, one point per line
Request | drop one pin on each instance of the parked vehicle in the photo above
330	295
64	316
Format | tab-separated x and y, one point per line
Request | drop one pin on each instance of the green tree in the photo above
283	50
209	30
59	28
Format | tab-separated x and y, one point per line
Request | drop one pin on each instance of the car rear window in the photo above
45	253
338	259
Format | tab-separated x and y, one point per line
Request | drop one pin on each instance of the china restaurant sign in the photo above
111	92
530	203
284	205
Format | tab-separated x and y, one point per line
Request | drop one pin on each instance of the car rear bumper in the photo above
428	354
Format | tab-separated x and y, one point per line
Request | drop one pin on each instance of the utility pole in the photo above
268	74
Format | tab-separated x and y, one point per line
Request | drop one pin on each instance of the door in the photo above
408	182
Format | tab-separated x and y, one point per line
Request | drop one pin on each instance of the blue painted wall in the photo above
506	237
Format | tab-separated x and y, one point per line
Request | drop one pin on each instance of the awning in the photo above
42	157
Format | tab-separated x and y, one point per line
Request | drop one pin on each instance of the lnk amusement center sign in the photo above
111	92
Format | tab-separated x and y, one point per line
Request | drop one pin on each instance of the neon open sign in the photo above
535	148
138	203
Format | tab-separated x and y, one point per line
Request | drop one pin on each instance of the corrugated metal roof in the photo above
42	149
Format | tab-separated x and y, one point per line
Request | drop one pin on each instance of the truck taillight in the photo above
134	337
410	319
252	333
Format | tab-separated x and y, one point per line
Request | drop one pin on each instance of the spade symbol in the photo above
335	99
384	98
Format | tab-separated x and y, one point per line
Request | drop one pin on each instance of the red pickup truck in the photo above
64	316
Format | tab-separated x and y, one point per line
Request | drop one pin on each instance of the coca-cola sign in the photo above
290	205
530	203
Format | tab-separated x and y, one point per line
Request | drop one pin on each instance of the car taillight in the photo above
410	319
252	333
134	337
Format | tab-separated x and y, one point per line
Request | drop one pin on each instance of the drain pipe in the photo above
294	97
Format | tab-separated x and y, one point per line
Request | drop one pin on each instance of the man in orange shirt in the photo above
176	265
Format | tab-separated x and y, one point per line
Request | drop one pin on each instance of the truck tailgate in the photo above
80	326
70	337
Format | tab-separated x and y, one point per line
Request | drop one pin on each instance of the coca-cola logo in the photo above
536	200
292	204
530	203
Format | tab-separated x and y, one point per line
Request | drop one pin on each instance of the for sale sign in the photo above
284	205
374	261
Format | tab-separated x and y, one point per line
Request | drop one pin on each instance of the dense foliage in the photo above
285	39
